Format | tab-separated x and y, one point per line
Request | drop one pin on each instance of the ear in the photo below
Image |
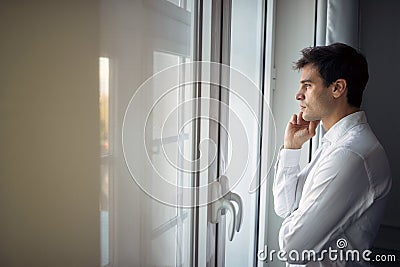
339	88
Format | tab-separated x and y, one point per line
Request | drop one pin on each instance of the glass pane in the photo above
104	72
142	39
104	215
175	2
164	219
186	4
245	57
104	76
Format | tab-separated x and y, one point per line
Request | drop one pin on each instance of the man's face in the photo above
316	100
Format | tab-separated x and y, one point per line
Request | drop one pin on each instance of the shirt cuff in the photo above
289	157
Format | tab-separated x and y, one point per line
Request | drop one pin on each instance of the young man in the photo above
337	200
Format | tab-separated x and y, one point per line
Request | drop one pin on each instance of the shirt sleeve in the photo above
286	181
338	195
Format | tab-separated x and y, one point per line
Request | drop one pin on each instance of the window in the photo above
104	76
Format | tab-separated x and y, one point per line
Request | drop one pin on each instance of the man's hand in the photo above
298	131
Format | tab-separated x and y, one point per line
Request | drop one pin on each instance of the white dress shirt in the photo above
339	195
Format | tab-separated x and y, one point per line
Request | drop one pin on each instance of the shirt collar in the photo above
342	126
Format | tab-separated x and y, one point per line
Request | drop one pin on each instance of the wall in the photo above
380	43
49	137
294	31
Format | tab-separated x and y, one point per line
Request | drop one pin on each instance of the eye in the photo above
307	85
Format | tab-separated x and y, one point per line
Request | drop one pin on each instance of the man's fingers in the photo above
293	119
300	119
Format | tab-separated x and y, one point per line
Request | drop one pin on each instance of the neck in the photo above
340	113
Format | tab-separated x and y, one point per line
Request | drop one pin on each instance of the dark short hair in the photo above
338	61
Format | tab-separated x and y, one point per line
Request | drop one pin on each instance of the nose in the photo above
299	95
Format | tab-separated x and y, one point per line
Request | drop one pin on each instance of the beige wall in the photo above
49	135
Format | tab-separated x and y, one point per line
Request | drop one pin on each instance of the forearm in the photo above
286	181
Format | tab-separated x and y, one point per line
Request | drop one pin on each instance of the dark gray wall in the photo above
380	42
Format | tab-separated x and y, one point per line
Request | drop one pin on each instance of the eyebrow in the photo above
306	81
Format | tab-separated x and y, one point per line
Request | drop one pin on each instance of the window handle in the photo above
236	198
222	204
228	195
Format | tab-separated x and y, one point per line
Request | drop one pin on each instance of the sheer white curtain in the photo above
336	21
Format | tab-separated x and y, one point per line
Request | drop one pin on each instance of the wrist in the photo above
291	146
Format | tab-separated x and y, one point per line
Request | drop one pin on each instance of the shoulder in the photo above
361	147
362	141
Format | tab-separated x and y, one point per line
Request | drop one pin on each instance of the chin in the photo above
307	117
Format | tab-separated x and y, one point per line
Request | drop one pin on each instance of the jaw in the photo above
307	116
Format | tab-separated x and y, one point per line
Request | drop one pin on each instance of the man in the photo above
336	201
